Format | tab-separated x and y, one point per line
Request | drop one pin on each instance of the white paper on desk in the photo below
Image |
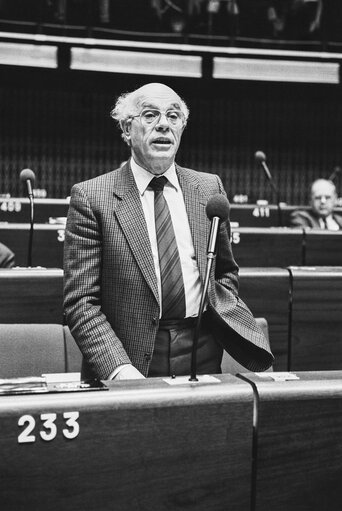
62	377
279	376
181	380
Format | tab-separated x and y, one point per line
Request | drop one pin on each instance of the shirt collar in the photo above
143	177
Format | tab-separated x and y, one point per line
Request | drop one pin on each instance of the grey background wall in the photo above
57	123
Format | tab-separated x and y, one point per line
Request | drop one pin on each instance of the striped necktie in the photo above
173	296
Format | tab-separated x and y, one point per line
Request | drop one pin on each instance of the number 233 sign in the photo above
46	427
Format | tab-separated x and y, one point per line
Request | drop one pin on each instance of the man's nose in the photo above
323	199
162	122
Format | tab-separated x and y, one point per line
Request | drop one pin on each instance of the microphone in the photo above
260	157
27	176
217	210
337	170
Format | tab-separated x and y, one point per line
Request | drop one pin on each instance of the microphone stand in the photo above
210	257
336	171
276	192
280	216
29	254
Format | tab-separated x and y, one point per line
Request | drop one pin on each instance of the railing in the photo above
241	23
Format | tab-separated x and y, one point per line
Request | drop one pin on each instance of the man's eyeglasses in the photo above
149	117
322	197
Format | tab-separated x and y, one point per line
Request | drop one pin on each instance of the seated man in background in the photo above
6	257
322	202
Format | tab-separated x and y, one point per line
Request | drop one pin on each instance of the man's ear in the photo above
126	129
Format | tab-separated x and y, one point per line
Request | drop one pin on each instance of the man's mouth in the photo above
162	141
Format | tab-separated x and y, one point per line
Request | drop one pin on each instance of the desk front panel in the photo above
140	445
268	247
323	248
47	245
252	215
17	209
31	295
266	293
298	442
316	340
252	247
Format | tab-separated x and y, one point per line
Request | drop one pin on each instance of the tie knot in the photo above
157	183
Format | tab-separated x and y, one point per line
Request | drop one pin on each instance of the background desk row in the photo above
264	247
241	443
303	308
17	210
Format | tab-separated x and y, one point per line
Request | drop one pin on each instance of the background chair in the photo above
35	349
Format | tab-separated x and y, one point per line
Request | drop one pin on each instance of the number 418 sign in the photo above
47	430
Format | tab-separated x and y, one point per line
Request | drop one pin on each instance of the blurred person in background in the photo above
280	19
321	215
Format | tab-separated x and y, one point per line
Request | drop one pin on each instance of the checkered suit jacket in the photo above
110	290
7	257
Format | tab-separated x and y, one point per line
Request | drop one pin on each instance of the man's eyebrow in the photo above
176	105
154	107
149	105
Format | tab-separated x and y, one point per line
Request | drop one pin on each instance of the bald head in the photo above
323	197
130	103
156	90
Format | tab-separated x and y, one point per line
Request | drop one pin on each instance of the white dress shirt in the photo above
174	198
331	224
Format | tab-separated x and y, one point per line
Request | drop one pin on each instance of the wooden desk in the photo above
322	248
266	292
316	319
267	247
47	247
252	246
31	296
280	247
254	215
141	445
298	445
17	209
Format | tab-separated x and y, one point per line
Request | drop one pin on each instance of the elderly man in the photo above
135	258
322	202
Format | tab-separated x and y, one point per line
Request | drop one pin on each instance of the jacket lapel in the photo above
129	213
195	203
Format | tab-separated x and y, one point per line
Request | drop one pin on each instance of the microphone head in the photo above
218	205
27	175
260	156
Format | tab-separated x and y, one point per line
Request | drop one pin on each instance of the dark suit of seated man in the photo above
7	258
321	216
